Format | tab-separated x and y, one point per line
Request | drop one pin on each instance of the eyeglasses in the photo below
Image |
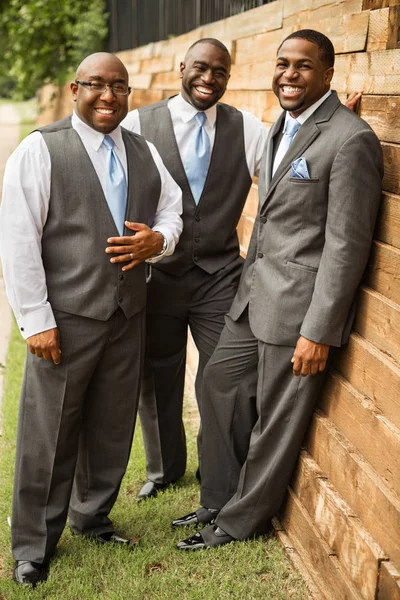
118	89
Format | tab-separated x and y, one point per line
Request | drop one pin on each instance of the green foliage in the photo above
7	83
41	40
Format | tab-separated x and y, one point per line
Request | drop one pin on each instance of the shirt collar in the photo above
94	138
187	111
309	111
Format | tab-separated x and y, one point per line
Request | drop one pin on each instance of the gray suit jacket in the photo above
311	239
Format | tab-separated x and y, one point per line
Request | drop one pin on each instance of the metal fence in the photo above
133	23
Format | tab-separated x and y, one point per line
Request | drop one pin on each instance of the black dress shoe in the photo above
151	489
210	537
30	573
202	516
111	538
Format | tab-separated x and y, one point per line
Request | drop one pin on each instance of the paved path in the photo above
9	134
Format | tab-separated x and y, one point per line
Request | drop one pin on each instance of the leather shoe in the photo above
210	537
151	489
202	516
111	538
29	574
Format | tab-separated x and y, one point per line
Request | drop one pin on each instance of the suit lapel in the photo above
304	138
269	149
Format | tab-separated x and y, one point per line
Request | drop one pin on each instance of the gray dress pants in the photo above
198	300
76	425
249	492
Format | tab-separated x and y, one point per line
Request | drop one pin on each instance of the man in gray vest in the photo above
212	151
194	287
69	190
319	193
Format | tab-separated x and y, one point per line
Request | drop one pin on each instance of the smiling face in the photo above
102	112
205	74
301	76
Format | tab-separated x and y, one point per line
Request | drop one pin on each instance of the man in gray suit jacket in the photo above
319	192
81	313
195	287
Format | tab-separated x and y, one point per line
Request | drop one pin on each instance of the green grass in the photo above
152	568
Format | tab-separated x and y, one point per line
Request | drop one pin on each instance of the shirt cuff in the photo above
36	321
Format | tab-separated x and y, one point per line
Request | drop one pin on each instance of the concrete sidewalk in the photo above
9	131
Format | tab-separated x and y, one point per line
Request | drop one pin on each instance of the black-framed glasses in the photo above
118	89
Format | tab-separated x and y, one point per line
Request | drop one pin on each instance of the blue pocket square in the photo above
299	169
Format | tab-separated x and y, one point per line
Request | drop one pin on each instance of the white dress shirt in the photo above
23	214
302	118
182	113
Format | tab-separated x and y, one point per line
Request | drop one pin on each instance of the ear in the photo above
74	90
182	67
328	75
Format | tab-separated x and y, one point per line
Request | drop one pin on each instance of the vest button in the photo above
197	217
196	239
121	277
260	255
263	219
195	258
120	299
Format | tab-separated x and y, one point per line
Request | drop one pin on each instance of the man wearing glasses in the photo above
70	189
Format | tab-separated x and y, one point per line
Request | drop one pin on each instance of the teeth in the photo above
203	90
105	111
290	90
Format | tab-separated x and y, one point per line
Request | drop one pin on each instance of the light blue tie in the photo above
196	165
290	130
116	188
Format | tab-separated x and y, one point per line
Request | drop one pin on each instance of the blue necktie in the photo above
116	188
290	130
196	165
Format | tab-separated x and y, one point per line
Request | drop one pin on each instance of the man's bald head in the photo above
99	104
93	60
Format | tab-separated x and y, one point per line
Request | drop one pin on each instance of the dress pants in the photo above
76	420
198	300
250	492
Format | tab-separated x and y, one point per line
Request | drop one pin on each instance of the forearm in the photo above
26	190
167	219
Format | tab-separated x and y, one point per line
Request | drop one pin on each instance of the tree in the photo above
41	40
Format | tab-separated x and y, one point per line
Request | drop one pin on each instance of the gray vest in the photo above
80	278
209	237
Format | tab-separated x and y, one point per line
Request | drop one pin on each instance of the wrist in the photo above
164	244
